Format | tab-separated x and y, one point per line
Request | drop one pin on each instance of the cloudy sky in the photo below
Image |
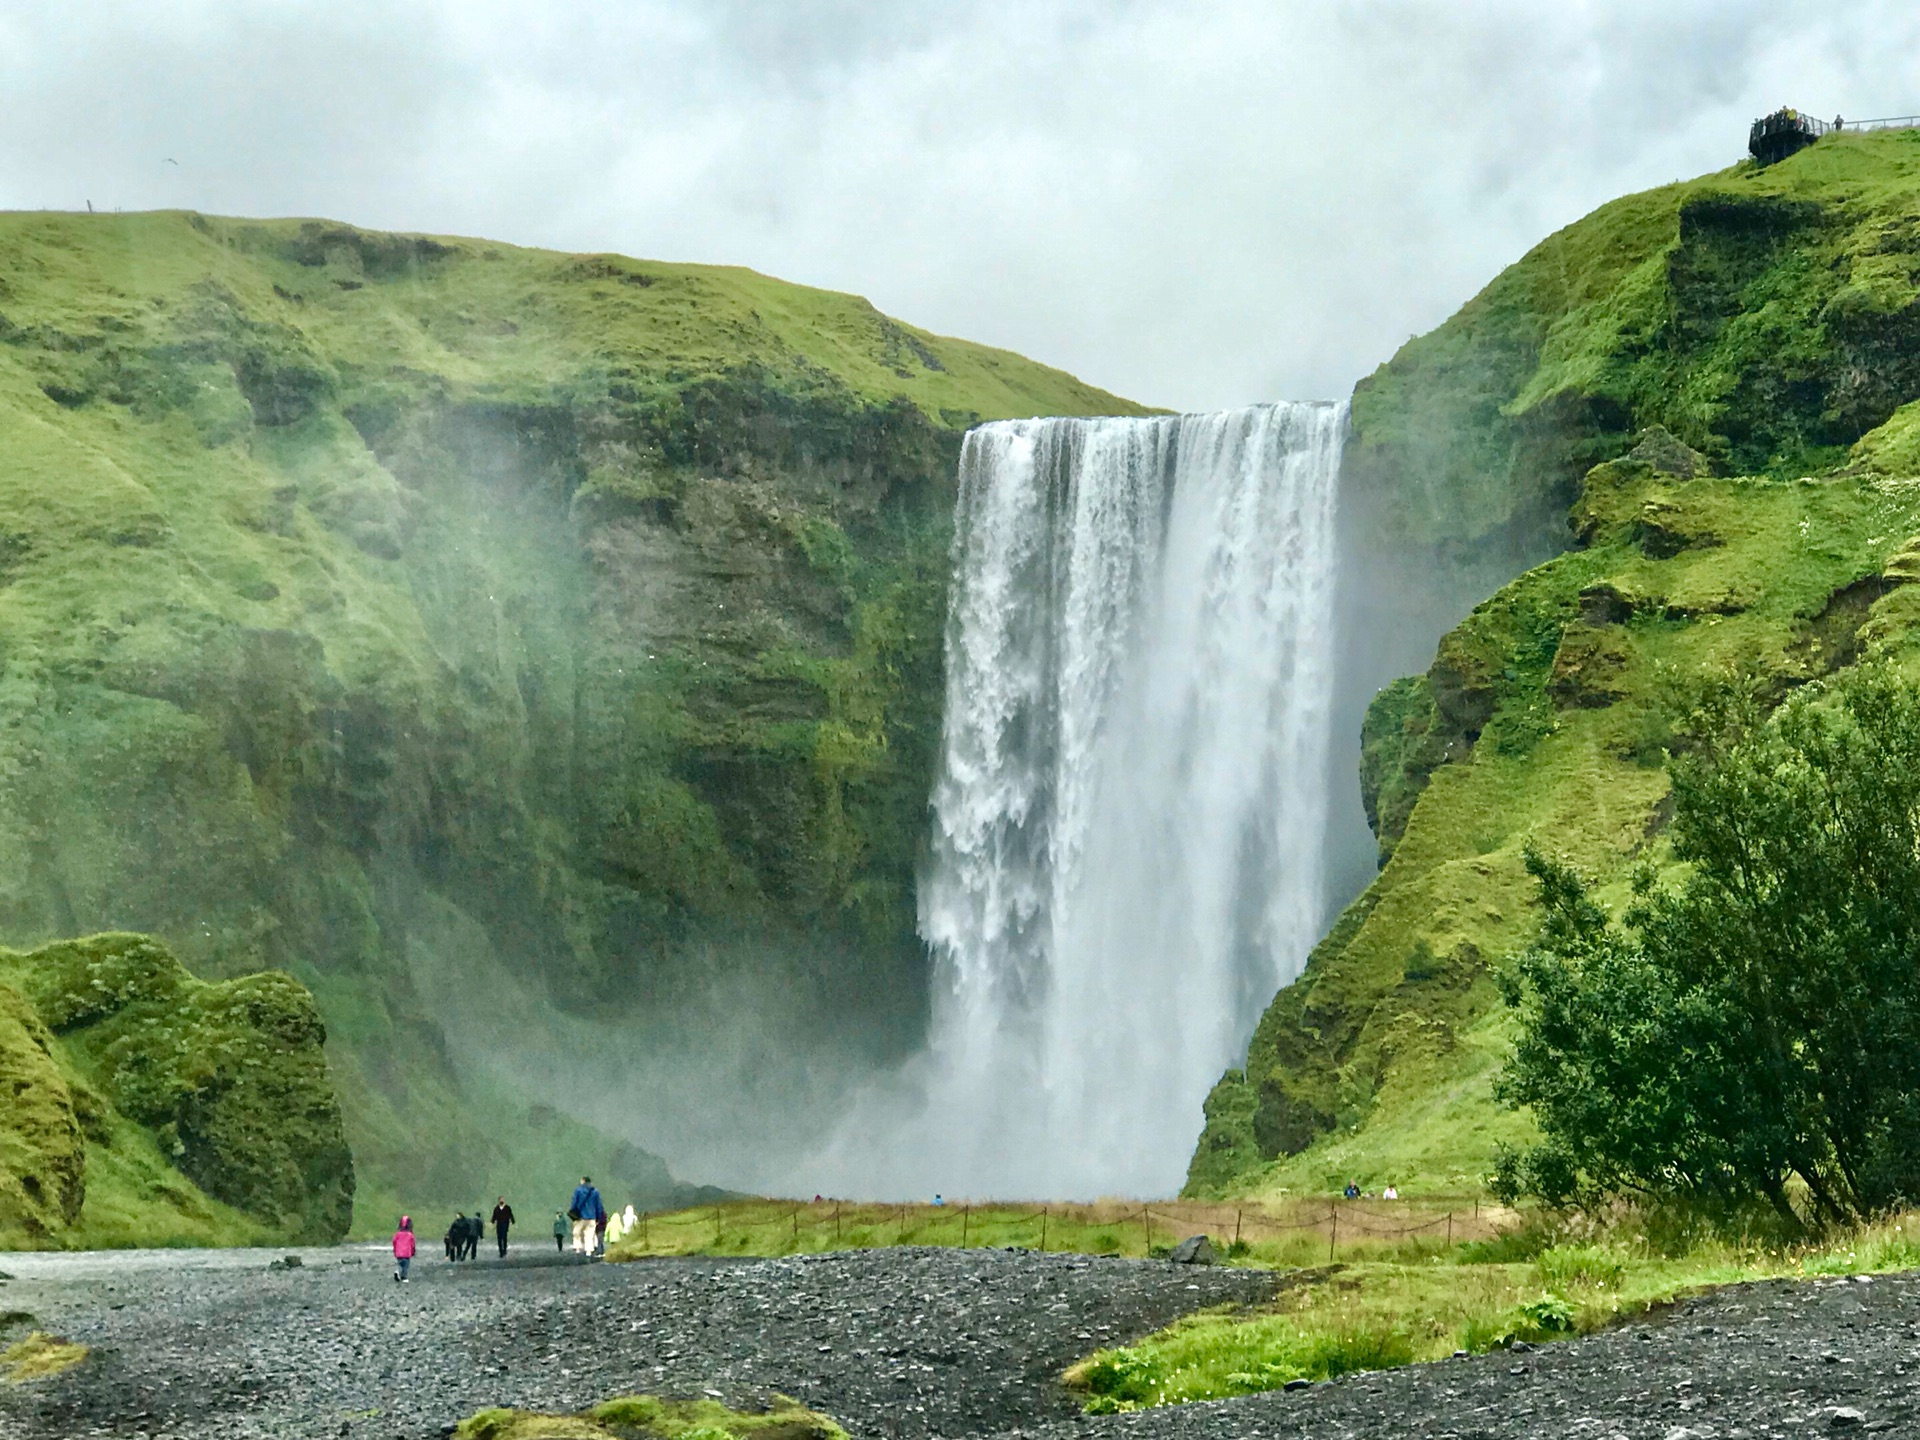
1194	202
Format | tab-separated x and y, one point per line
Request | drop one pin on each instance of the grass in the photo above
1295	1233
39	1356
1380	1313
1728	308
644	1415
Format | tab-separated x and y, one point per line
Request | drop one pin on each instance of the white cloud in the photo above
1196	204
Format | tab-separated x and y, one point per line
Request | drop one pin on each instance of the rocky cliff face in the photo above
545	638
1754	324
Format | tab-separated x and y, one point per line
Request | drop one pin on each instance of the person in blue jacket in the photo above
589	1215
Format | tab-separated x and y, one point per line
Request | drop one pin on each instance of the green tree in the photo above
1751	1033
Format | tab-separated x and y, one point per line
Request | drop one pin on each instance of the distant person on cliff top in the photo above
1352	1192
502	1218
403	1248
589	1215
559	1232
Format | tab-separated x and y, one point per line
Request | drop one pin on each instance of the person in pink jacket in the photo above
403	1247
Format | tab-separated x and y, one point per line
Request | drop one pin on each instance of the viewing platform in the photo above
1787	131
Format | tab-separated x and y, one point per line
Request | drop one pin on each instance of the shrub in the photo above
1544	1318
1565	1266
1752	1035
1121	1375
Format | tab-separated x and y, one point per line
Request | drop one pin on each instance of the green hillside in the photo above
469	629
1765	318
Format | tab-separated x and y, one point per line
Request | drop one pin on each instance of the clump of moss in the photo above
39	1356
231	1077
1401	741
644	1415
42	1149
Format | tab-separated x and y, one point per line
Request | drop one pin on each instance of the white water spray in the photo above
1132	799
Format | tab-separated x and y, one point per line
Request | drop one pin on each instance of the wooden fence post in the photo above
965	1212
836	1222
1146	1232
1043	1229
1236	1227
796	1227
1333	1232
1449	1229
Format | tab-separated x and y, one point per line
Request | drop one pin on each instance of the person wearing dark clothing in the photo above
476	1227
502	1218
559	1232
456	1236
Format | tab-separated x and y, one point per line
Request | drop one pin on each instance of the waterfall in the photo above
1132	794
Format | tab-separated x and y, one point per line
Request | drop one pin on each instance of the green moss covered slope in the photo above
372	606
1758	324
1765	316
145	1106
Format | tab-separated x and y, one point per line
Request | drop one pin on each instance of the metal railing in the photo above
1795	120
1786	131
1892	122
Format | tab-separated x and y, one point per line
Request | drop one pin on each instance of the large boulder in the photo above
232	1077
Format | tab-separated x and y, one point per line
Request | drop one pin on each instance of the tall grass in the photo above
1532	1284
1279	1235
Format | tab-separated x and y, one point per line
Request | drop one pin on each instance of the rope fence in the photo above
748	1225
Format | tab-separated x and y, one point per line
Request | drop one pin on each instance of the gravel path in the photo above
898	1342
908	1343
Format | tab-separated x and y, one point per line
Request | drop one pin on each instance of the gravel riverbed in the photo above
897	1342
902	1342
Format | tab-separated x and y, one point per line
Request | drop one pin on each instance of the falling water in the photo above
1132	797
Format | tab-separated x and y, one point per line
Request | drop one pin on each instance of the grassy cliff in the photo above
469	630
1765	316
1756	325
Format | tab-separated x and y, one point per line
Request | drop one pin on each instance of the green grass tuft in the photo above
1530	1285
646	1416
